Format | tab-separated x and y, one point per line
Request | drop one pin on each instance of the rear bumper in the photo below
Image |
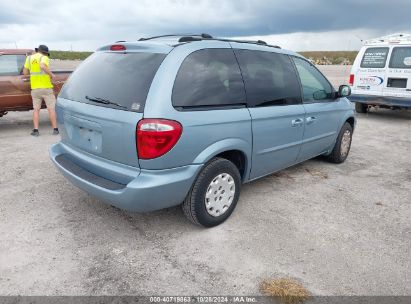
381	100
139	190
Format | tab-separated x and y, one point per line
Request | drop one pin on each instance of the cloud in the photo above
317	41
84	25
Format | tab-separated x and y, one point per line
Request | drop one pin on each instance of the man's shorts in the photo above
39	94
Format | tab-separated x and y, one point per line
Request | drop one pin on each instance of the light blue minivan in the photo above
174	119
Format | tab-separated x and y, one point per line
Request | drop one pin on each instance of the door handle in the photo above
296	122
26	79
311	120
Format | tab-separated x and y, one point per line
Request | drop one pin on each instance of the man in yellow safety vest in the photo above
37	65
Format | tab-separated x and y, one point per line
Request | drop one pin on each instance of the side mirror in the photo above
344	91
319	95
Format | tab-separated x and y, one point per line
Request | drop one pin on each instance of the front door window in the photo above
315	86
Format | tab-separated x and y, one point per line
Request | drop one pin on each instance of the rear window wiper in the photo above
104	101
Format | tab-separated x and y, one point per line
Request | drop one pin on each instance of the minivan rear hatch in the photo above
101	103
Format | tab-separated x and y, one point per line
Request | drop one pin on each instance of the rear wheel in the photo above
361	107
214	194
342	146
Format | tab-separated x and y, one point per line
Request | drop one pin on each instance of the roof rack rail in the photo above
399	38
259	42
206	36
247	41
203	37
184	38
189	39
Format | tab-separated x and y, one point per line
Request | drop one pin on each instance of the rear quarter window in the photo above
122	78
375	57
401	58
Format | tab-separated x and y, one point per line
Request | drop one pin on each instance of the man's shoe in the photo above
35	133
56	132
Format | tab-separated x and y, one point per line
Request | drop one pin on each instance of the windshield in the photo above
120	80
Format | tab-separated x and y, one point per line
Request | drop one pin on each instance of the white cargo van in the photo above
381	73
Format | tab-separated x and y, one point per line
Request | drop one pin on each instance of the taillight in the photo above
117	47
156	137
351	82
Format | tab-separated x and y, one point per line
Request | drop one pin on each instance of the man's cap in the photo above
43	49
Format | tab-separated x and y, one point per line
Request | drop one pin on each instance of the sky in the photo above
299	25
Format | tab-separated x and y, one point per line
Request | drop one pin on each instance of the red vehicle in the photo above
14	86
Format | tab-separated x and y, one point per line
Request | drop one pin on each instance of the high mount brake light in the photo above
156	137
117	47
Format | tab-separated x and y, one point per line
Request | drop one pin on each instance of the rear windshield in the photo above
11	64
113	78
401	58
375	57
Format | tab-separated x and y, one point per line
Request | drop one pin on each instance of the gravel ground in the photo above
339	229
337	74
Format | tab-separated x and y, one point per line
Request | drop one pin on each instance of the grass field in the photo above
68	55
336	57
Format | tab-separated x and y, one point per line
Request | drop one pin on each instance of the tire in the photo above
361	107
342	148
206	200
